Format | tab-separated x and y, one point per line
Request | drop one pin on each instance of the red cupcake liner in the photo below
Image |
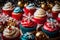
7	12
55	14
58	19
17	17
16	38
26	11
41	20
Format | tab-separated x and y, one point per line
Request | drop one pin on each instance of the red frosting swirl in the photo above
28	24
48	26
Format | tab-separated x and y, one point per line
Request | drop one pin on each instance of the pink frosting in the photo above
48	26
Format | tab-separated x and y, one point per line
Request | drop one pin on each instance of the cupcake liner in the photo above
7	12
58	19
40	21
55	14
17	16
51	34
29	11
24	30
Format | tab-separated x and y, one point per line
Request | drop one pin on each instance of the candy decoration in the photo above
4	18
21	4
28	17
28	36
53	23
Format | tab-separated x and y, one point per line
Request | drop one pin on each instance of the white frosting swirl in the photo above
56	8
8	6
39	13
59	15
11	33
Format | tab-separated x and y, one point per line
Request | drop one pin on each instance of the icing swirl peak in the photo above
31	6
56	8
8	6
11	32
39	13
17	10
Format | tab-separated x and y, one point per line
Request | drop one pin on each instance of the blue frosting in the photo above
51	20
17	10
31	5
24	30
27	36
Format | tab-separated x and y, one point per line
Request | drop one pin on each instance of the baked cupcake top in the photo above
51	25
56	7
39	13
8	6
17	10
31	6
11	32
28	36
27	21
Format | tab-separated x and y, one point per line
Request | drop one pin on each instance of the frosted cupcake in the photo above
56	10
40	16
27	36
51	28
17	13
27	25
11	33
30	9
8	8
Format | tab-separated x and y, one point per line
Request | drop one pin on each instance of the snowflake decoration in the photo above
28	17
53	24
3	18
29	35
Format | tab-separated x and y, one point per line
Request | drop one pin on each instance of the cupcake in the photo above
30	9
51	28
56	11
17	13
11	33
27	25
40	16
41	36
8	8
27	36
